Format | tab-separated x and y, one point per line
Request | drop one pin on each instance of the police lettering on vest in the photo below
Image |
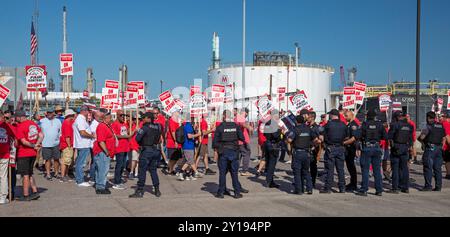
148	135
404	133
371	130
435	135
302	137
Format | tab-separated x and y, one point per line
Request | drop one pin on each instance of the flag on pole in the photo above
34	45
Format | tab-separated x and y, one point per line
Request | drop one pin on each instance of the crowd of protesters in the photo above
78	147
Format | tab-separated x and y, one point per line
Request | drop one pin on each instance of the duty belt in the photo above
334	145
302	149
371	144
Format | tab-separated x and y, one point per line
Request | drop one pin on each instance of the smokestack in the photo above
64	30
216	51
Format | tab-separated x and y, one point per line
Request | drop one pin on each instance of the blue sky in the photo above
170	40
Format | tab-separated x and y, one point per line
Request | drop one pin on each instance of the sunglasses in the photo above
7	118
122	115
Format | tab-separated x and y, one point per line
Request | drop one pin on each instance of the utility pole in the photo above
243	47
161	86
418	62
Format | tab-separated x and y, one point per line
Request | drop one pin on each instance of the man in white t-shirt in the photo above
83	137
93	126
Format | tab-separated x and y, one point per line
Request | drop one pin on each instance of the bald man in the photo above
350	149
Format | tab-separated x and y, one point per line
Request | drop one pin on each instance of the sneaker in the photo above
288	162
137	194
24	199
84	184
91	183
405	191
219	195
119	187
426	189
192	178
64	179
157	192
180	176
393	191
246	173
237	196
102	191
436	189
4	201
243	190
198	175
361	193
131	176
48	177
210	172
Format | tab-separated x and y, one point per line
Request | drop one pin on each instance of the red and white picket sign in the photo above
281	94
66	64
396	106
195	90
349	98
168	103
217	95
109	96
4	92
36	77
360	92
384	101
265	106
229	94
110	84
300	101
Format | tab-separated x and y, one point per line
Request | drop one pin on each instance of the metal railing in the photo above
237	65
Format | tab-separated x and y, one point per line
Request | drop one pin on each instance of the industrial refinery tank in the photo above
315	80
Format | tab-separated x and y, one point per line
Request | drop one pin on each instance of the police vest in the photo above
436	134
152	135
372	130
302	137
229	132
404	133
335	132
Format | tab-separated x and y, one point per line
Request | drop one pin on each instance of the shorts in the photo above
203	150
67	156
25	165
189	157
133	155
446	156
173	154
51	153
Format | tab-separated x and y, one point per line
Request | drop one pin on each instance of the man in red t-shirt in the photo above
173	148
29	138
103	150
6	139
244	148
161	120
204	147
66	144
446	125
120	129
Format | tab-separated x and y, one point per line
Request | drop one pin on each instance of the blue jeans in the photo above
229	161
93	167
399	165
335	156
121	160
432	166
371	155
300	166
272	152
101	172
148	161
80	162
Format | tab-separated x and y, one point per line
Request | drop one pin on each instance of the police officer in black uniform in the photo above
272	146
148	138
302	138
350	150
432	137
401	141
226	140
334	135
372	132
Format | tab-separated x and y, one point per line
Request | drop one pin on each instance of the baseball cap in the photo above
50	110
334	112
58	108
84	108
69	112
304	111
20	113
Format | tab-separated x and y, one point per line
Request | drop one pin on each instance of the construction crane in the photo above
343	81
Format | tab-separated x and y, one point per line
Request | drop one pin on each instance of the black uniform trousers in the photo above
272	151
399	166
350	154
148	161
335	157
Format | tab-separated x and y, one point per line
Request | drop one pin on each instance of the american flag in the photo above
33	43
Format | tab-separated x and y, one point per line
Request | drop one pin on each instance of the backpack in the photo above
179	135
